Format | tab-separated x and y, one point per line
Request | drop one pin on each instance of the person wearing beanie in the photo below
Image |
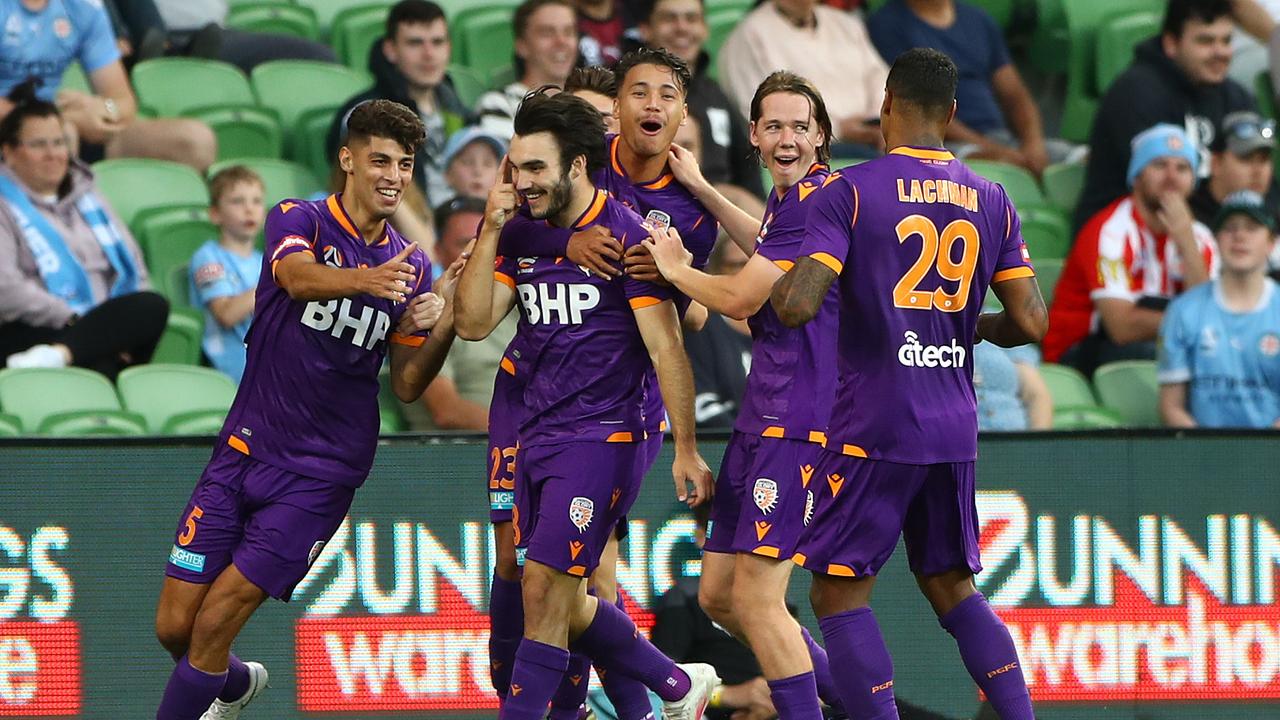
1131	257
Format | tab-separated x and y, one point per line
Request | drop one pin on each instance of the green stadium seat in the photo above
1086	417
1048	270
292	87
177	86
469	84
73	78
327	11
1067	386
1047	234
1048	48
1018	182
283	178
10	425
66	401
244	132
720	23
180	342
1116	40
276	18
135	184
177	399
1266	94
152	221
168	249
309	140
1062	185
355	30
483	38
1129	387
1083	20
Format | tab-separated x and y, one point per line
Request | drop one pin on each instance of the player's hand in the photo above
667	250
502	202
1035	158
392	279
694	485
447	283
596	250
685	167
422	314
639	264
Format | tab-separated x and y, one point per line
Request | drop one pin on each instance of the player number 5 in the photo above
189	528
939	252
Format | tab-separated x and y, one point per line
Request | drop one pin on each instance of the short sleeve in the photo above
1014	261
830	222
210	277
290	229
1111	278
701	239
642	294
997	50
1173	363
423	265
782	233
98	43
504	271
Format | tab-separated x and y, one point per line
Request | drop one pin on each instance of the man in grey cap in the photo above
1242	150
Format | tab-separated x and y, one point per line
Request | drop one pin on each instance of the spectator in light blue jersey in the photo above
224	272
1220	341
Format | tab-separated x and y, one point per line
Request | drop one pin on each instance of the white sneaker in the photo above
702	680
220	710
37	356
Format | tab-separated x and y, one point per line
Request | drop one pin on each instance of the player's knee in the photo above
749	604
174	636
831	596
716	602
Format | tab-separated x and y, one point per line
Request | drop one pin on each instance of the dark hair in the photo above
520	23
592	78
459	204
654	56
926	78
25	105
225	179
783	81
1180	12
408	12
386	119
576	126
649	7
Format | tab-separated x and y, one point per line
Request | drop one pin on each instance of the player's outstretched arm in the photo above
306	280
1024	318
798	296
481	300
660	328
739	295
740	224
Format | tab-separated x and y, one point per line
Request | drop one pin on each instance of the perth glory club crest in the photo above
765	495
581	510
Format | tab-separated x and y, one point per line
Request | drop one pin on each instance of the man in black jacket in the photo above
1179	77
408	66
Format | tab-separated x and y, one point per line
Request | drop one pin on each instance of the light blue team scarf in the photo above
61	272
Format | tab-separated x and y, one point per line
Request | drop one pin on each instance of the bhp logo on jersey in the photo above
557	303
334	317
913	354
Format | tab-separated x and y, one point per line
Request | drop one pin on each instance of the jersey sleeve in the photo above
1014	260
639	293
782	235
210	277
290	229
504	271
1177	334
423	265
98	43
525	237
701	239
830	223
1111	277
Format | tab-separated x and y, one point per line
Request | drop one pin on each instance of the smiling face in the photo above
787	137
549	45
537	175
678	26
378	170
651	108
1203	50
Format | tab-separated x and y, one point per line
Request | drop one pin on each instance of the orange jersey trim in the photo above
406	340
852	451
620	437
920	154
505	279
643	301
238	445
817	436
1013	273
508	366
613	156
660	183
597	205
799	559
335	209
841	571
579	570
785	265
766	551
773	431
829	260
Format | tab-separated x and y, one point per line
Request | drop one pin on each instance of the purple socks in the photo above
822	672
796	697
189	692
629	696
538	669
613	642
572	691
989	656
860	663
506	628
237	680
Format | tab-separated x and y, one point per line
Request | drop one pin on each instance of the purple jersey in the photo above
308	402
788	392
584	374
916	238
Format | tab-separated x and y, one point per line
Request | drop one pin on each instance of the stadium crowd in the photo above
1145	196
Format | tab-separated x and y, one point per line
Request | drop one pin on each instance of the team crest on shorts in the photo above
808	507
581	510
315	552
765	495
658	220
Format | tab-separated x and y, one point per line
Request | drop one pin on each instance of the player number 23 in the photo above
939	252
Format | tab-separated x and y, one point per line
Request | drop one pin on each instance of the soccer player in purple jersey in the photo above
339	286
761	494
914	239
581	457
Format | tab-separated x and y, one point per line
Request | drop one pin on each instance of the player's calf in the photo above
225	610
176	613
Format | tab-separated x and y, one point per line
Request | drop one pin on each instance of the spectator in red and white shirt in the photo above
1131	258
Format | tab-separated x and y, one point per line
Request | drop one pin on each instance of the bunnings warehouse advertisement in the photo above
1137	573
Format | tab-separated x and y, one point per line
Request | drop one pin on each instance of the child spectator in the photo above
224	272
471	160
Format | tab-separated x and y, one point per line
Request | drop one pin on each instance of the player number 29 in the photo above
940	252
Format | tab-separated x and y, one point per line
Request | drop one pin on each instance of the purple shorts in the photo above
861	507
504	420
271	523
761	495
570	496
